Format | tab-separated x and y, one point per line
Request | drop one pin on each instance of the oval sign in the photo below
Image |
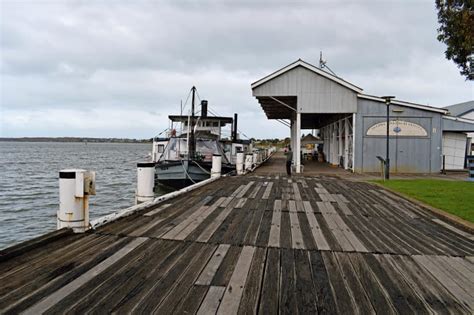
400	128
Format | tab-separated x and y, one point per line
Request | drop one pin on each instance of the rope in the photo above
202	169
187	98
186	172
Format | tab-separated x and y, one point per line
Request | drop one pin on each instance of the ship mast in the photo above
192	140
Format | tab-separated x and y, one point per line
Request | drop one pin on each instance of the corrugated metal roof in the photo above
403	103
460	109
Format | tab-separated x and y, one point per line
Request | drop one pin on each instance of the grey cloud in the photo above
144	56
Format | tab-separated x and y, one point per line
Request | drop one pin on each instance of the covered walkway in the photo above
302	96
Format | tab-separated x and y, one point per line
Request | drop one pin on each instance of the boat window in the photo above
161	148
215	124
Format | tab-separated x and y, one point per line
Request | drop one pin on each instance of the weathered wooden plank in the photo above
287	289
207	233
231	300
435	294
240	203
179	290
355	288
285	230
211	301
304	289
397	297
324	296
157	210
345	302
318	236
153	297
226	268
296	192
250	296
451	268
242	193
54	298
192	301
255	191
274	238
268	190
270	288
211	268
296	235
412	298
430	302
455	230
377	294
252	232
264	230
22	296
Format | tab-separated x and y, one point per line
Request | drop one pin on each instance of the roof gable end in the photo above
301	63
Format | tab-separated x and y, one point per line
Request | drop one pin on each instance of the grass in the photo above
455	197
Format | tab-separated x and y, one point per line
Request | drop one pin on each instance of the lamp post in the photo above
388	101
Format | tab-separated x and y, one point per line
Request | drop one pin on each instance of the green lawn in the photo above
455	197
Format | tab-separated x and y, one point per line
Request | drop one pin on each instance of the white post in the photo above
216	166
75	186
340	153
248	161
255	158
346	143
298	142
353	140
239	165
292	139
145	182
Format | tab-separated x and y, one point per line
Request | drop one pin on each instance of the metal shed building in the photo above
353	124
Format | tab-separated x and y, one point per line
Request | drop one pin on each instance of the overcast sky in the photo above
119	68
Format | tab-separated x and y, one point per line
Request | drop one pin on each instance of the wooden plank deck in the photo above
254	244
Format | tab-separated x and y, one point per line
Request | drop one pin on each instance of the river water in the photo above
29	182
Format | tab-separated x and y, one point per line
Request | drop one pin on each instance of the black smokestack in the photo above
234	128
203	108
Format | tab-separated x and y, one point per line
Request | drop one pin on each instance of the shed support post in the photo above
353	141
292	137
339	140
346	143
298	142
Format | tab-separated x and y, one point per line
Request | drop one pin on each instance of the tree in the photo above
456	19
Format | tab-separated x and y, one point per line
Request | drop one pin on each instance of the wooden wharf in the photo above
262	243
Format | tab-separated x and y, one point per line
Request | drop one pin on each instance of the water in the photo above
29	182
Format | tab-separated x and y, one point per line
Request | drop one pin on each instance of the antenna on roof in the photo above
323	64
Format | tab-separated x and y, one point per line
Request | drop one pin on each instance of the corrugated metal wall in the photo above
315	93
408	154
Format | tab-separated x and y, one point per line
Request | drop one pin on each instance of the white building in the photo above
458	145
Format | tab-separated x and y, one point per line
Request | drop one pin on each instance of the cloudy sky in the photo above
119	68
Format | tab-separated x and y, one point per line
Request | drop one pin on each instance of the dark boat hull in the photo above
180	174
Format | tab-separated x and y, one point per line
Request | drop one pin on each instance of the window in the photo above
161	148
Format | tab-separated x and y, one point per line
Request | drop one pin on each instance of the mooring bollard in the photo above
145	182
75	187
239	164
248	161
470	167
216	166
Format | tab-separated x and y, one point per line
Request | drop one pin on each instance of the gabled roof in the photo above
460	109
304	64
403	103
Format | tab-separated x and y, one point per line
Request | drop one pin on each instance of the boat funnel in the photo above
203	108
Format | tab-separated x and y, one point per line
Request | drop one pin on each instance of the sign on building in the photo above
400	128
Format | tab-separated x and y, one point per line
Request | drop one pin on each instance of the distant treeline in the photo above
76	139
